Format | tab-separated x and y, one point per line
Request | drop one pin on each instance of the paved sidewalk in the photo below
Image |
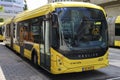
12	67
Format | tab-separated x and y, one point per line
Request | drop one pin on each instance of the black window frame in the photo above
117	29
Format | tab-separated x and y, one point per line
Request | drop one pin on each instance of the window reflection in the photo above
82	26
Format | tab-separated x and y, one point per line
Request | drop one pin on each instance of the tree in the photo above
1	20
1	8
86	0
25	5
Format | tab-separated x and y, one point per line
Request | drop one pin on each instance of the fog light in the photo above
100	59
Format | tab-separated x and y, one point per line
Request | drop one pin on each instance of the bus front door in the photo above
21	41
44	47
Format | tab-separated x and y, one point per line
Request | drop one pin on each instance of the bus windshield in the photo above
81	28
0	30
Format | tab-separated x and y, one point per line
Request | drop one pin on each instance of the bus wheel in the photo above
35	59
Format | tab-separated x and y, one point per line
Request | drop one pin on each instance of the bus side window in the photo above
26	31
8	30
117	29
14	30
35	29
42	27
0	30
25	26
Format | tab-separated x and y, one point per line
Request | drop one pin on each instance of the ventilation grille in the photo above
84	54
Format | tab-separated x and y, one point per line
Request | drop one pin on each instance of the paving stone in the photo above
14	67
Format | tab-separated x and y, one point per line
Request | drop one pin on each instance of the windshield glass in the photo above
0	30
82	27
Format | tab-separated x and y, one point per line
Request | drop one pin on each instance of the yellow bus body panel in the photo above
1	38
37	48
27	54
117	19
61	64
117	43
16	48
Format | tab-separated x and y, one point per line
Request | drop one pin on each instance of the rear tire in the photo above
35	59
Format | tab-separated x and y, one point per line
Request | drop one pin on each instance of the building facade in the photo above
112	7
9	8
50	1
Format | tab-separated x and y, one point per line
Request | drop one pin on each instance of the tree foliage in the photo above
1	20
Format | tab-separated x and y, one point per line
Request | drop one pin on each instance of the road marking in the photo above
114	78
116	54
115	62
1	43
2	77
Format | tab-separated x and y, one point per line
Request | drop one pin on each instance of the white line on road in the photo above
2	77
1	43
115	62
114	78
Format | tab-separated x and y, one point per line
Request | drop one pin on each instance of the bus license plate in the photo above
88	68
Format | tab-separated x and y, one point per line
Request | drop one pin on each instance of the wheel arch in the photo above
34	52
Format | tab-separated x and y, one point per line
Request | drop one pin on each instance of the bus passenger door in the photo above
44	47
21	41
12	33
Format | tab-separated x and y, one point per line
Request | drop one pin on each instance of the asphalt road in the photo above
14	67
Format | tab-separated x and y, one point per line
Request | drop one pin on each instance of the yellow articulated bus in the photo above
62	37
114	31
7	32
1	29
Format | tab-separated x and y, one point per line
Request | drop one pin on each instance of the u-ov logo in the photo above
95	31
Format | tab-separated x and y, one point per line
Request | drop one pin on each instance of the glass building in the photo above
9	8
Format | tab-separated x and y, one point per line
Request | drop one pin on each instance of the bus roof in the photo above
117	19
8	21
51	7
1	23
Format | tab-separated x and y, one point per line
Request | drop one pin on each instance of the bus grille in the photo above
85	54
